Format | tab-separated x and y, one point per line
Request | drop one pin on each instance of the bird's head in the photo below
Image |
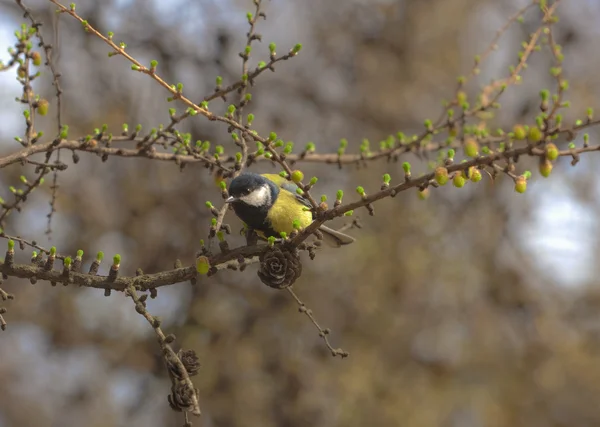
253	190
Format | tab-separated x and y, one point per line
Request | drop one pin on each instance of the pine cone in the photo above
279	268
190	361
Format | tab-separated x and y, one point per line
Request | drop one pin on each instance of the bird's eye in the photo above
247	191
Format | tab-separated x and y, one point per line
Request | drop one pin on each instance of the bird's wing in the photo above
288	186
291	187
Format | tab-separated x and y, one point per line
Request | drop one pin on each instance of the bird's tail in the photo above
335	238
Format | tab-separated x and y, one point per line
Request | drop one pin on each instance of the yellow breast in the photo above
287	209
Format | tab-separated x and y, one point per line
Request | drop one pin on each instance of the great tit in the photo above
269	204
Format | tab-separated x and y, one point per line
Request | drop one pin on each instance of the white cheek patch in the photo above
259	197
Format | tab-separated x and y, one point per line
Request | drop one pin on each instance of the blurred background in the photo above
476	307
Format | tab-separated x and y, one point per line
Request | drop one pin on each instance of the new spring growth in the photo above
406	167
96	264
10	253
474	174
519	132
50	261
297	176
78	260
212	208
231	109
296	224
551	152
67	265
343	145
202	265
458	180
471	147
441	175
114	268
250	119
361	191
42	107
272	49
289	147
386	181
521	184
450	157
365	147
423	194
310	147
338	198
64	132
545	167
296	49
323	205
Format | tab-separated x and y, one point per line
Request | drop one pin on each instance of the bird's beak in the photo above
230	199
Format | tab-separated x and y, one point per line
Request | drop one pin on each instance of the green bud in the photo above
551	152
297	176
79	253
459	180
100	256
11	245
441	175
53	251
535	134
313	180
360	190
521	184
202	265
406	167
339	195
349	213
296	224
545	167
67	262
519	132
387	178
471	147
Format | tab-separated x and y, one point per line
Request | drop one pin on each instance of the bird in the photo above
269	203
